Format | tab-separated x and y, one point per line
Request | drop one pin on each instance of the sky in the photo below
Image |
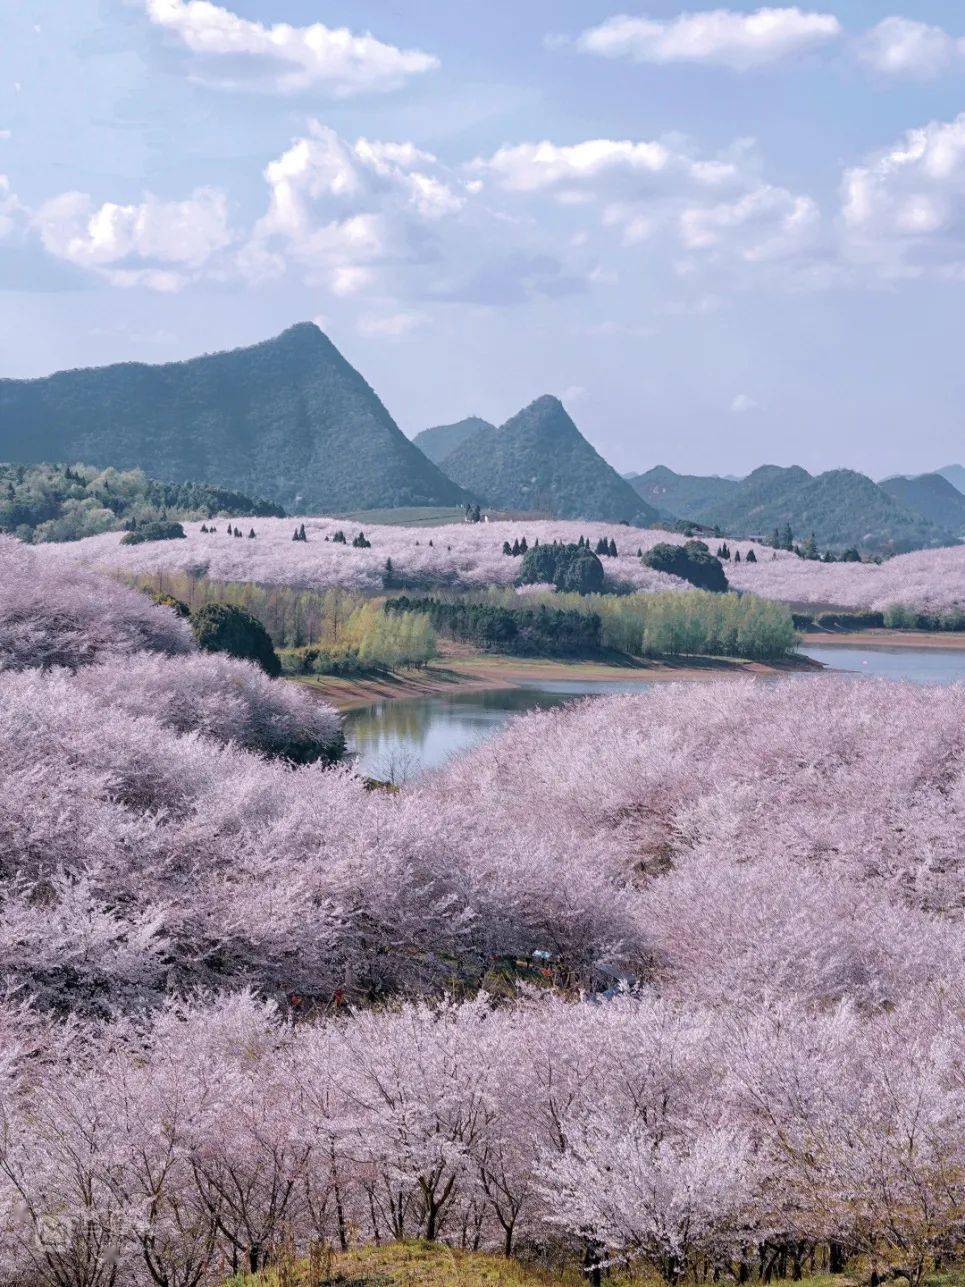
723	236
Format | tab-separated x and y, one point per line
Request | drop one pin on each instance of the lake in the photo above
397	741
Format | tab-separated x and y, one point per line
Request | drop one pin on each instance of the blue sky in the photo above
722	236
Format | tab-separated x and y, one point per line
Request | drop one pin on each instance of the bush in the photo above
569	567
219	627
692	562
851	620
154	532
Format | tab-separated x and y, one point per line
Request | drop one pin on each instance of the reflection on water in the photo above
920	665
398	741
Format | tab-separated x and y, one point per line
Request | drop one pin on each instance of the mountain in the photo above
679	494
955	475
842	507
442	441
288	419
539	461
931	495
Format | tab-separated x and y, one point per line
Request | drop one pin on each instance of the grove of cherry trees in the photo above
677	979
468	556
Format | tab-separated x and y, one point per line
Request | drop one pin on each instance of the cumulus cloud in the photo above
905	47
571	169
904	209
765	224
722	37
285	57
343	210
155	243
743	402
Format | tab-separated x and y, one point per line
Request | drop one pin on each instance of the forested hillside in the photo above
68	502
539	461
288	419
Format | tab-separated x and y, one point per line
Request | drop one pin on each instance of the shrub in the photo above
219	627
569	567
159	531
692	562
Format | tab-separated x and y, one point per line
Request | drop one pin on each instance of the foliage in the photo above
544	629
67	502
53	613
735	907
840	507
159	531
288	419
933	497
573	568
220	627
691	562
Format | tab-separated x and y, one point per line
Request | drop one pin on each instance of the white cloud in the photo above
765	224
390	326
6	134
341	210
298	58
743	402
905	47
721	36
159	244
12	211
904	209
598	164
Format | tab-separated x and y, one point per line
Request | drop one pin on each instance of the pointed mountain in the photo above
955	475
288	419
442	440
681	495
540	462
930	495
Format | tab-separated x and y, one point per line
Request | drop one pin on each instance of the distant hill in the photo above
841	507
679	494
442	440
955	475
539	461
931	495
288	419
67	502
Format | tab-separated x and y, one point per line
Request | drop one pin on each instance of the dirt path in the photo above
465	671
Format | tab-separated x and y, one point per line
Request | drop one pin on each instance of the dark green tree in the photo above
221	627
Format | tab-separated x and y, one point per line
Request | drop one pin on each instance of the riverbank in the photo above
464	672
945	640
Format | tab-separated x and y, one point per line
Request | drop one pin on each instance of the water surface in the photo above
397	741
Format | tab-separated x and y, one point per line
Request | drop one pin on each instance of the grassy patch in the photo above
408	1264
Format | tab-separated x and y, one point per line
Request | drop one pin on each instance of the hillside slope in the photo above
442	440
841	507
955	475
288	419
680	494
932	496
539	461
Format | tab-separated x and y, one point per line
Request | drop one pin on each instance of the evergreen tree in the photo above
251	535
507	548
751	557
613	548
737	556
523	547
515	549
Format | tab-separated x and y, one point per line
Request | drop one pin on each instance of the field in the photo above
465	556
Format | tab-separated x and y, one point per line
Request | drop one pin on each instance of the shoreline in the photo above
481	671
940	640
